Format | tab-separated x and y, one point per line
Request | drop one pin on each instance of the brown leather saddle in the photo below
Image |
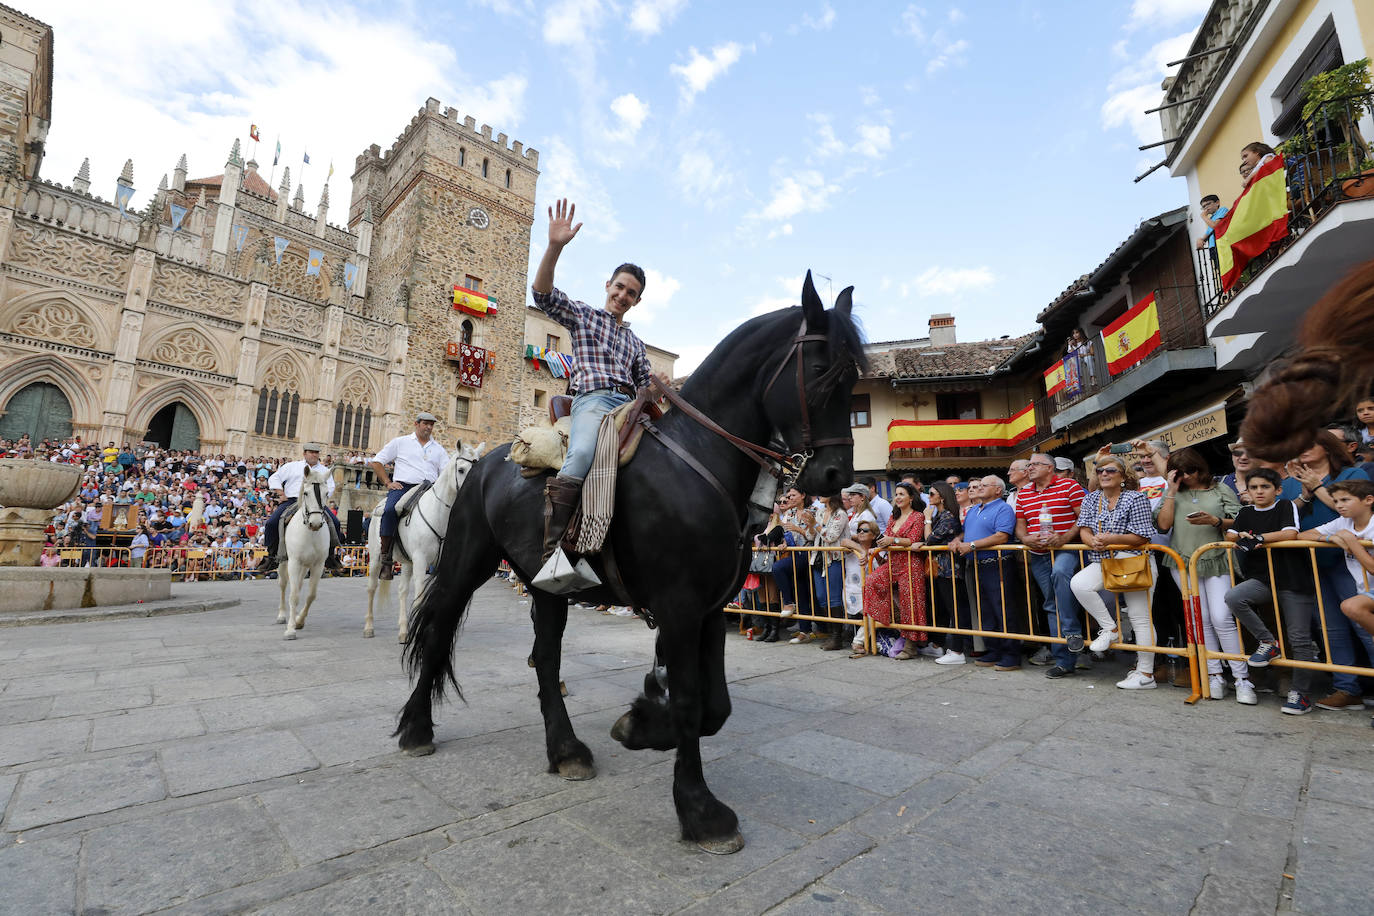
627	418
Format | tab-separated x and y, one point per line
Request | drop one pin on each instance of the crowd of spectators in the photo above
165	485
1136	494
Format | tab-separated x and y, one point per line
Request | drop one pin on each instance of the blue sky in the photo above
971	157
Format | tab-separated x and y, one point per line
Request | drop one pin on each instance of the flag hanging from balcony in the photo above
1133	336
1001	432
473	302
1258	219
1054	378
472	364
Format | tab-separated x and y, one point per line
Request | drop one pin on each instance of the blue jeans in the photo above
1341	632
828	581
389	522
1061	607
587	410
794	564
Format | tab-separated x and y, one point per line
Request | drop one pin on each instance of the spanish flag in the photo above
1054	378
1257	219
1000	432
473	302
1133	336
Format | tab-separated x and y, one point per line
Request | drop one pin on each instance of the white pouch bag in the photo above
560	576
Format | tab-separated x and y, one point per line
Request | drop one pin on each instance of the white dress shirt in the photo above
415	463
291	475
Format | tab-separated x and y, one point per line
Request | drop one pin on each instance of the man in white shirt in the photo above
417	459
882	509
288	479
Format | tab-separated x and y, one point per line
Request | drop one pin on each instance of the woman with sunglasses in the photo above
1114	520
1196	510
859	558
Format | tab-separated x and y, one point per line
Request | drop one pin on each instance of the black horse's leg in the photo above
433	625
568	756
649	724
716	694
704	818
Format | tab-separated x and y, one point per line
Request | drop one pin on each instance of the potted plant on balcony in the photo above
1334	101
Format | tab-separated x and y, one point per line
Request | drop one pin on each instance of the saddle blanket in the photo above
542	448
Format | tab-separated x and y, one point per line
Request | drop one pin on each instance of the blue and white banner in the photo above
312	266
350	274
281	244
240	234
178	214
123	194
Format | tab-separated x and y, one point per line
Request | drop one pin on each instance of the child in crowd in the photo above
1268	519
1364	412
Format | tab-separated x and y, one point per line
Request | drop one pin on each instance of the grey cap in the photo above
426	415
312	447
1063	464
857	489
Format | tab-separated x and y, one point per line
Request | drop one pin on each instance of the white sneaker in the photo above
1245	693
1137	681
951	658
1217	687
932	651
1103	640
788	611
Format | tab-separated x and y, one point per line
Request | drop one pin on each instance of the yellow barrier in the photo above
116	557
1281	629
354	560
1008	553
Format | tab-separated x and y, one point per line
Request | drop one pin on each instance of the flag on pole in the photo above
240	233
1133	336
123	194
307	158
253	132
178	214
312	267
331	171
1054	378
1257	219
276	157
280	244
350	274
1000	432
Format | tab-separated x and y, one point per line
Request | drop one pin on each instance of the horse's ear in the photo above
479	451
812	307
458	444
845	301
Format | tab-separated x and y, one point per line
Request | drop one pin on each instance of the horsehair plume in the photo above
1331	371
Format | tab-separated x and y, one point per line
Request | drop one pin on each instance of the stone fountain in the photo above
29	491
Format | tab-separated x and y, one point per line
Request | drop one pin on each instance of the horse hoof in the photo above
621	729
576	771
401	639
422	750
281	618
724	846
368	634
289	634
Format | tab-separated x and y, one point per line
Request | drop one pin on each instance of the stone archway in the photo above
41	410
174	427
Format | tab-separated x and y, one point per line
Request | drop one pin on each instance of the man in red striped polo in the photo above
1046	520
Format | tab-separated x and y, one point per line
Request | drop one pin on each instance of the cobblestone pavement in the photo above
201	764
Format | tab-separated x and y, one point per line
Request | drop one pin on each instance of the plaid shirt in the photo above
1131	516
606	353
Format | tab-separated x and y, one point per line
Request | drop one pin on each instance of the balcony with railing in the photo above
1329	169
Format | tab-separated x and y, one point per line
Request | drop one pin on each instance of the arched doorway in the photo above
41	410
174	427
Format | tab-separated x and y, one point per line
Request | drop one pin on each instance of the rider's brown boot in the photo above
384	562
561	496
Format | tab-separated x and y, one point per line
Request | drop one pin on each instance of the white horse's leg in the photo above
372	582
316	574
295	571
282	580
403	598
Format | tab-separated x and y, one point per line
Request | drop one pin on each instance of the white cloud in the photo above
700	71
659	290
572	22
305	86
1155	13
956	14
631	112
805	191
945	50
700	175
949	52
1136	87
824	144
648	17
822	22
948	281
765	302
689	357
913	22
564	176
875	140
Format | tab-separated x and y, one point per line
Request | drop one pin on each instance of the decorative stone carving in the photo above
57	322
357	391
293	317
188	349
56	252
282	376
365	336
198	290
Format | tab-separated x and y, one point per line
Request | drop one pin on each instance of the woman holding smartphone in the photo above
1197	510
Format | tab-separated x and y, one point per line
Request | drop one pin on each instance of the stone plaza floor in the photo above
200	764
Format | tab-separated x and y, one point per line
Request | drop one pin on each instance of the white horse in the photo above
307	547
421	534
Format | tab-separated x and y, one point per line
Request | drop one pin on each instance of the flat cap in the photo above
312	447
426	415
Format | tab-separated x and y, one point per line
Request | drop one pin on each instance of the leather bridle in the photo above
788	467
318	510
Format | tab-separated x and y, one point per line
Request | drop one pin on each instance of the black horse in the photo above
680	540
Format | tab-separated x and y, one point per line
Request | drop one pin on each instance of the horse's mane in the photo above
763	340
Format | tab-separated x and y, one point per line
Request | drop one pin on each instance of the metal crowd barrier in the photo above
94	556
1016	554
1280	628
354	560
195	563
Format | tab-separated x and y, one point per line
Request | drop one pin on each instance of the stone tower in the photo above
448	205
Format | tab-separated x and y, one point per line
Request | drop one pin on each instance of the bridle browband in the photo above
318	510
788	467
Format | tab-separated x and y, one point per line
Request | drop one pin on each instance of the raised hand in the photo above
561	228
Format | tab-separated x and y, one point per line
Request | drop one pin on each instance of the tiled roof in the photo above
957	360
252	182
